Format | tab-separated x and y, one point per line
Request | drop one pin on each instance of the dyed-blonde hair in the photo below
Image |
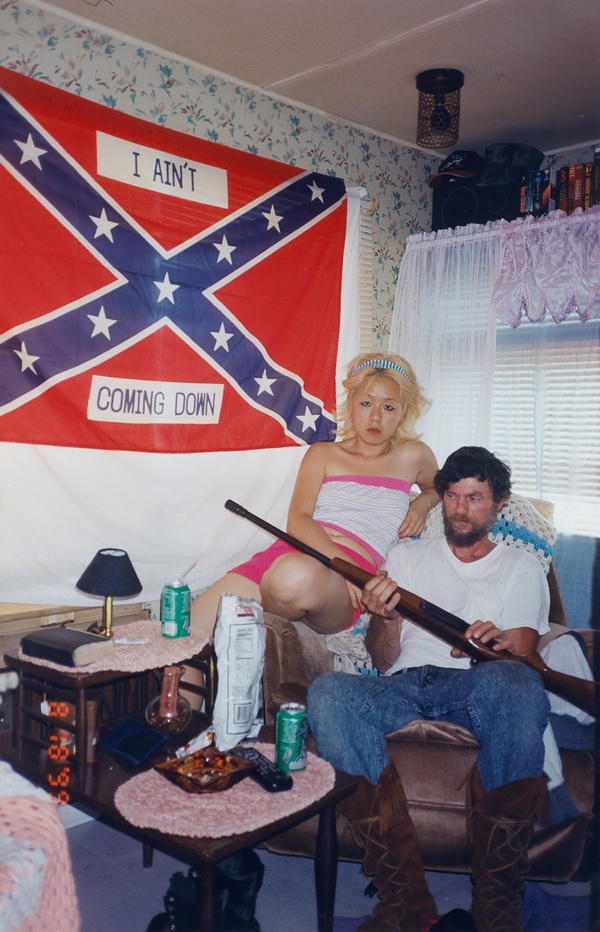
369	366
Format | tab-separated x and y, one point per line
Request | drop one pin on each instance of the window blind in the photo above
546	416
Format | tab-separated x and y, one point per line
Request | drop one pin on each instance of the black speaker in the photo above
459	201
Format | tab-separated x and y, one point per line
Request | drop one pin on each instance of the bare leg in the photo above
203	612
301	589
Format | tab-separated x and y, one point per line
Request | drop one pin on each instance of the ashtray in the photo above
206	771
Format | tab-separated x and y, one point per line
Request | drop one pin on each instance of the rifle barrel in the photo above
450	628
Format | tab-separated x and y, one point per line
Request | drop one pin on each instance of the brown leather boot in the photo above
500	824
382	826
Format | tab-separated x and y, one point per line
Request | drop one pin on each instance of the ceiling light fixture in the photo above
439	107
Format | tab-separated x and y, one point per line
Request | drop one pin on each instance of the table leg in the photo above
147	852
19	715
207	901
81	726
326	857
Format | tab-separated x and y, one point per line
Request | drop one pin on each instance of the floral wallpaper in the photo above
570	157
65	53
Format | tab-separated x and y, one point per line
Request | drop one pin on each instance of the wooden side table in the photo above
70	697
96	790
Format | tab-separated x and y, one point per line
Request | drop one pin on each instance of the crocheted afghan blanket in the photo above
520	524
37	888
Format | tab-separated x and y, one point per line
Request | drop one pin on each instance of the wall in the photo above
183	96
571	156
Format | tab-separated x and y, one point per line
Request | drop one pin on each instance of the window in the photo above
546	416
531	394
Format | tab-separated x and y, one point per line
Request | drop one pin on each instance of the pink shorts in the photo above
255	568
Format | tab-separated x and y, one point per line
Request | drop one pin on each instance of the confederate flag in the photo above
159	293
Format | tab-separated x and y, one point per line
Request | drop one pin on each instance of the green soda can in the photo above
290	737
175	610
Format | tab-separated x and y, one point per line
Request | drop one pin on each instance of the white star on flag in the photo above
104	226
272	218
31	153
307	419
224	250
317	192
27	360
166	289
264	383
102	323
222	338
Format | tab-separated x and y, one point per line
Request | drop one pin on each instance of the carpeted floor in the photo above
117	894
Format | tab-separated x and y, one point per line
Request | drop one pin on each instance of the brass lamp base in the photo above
104	627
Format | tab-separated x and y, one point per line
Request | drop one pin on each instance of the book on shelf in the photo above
526	199
561	200
66	646
535	193
578	185
575	198
541	192
588	171
596	177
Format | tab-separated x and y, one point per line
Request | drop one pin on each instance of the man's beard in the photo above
473	534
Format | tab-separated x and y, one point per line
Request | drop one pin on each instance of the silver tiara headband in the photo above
381	364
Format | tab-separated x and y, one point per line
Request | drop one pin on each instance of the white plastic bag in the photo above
240	638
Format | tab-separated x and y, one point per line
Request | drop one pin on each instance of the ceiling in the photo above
531	66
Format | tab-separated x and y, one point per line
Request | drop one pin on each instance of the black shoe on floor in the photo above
237	880
457	920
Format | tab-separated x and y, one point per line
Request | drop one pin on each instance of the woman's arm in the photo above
425	468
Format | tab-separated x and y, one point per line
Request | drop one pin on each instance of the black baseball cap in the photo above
460	164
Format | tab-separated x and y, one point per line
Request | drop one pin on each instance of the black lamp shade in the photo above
110	573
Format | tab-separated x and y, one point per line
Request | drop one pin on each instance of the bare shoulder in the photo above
320	458
319	452
415	452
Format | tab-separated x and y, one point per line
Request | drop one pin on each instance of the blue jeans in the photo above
502	703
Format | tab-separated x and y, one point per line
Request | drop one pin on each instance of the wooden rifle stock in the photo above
584	694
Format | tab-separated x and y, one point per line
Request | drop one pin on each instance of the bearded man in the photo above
502	593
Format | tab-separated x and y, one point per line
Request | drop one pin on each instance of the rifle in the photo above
585	694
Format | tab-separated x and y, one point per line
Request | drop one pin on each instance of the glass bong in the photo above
169	712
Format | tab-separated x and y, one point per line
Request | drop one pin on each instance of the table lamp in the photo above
110	574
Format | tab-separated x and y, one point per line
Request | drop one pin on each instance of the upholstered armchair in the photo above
434	758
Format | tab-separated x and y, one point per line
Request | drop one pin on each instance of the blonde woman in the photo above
351	500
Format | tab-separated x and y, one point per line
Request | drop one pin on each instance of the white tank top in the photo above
369	509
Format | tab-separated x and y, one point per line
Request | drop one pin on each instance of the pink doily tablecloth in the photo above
135	658
149	800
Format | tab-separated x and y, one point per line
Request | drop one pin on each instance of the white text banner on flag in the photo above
131	401
159	171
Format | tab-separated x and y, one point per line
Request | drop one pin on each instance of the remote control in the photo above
269	776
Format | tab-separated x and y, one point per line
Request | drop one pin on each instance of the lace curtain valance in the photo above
549	266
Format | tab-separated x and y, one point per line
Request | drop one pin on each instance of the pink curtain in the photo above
549	266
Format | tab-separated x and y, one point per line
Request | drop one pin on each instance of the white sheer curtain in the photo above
443	324
502	326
